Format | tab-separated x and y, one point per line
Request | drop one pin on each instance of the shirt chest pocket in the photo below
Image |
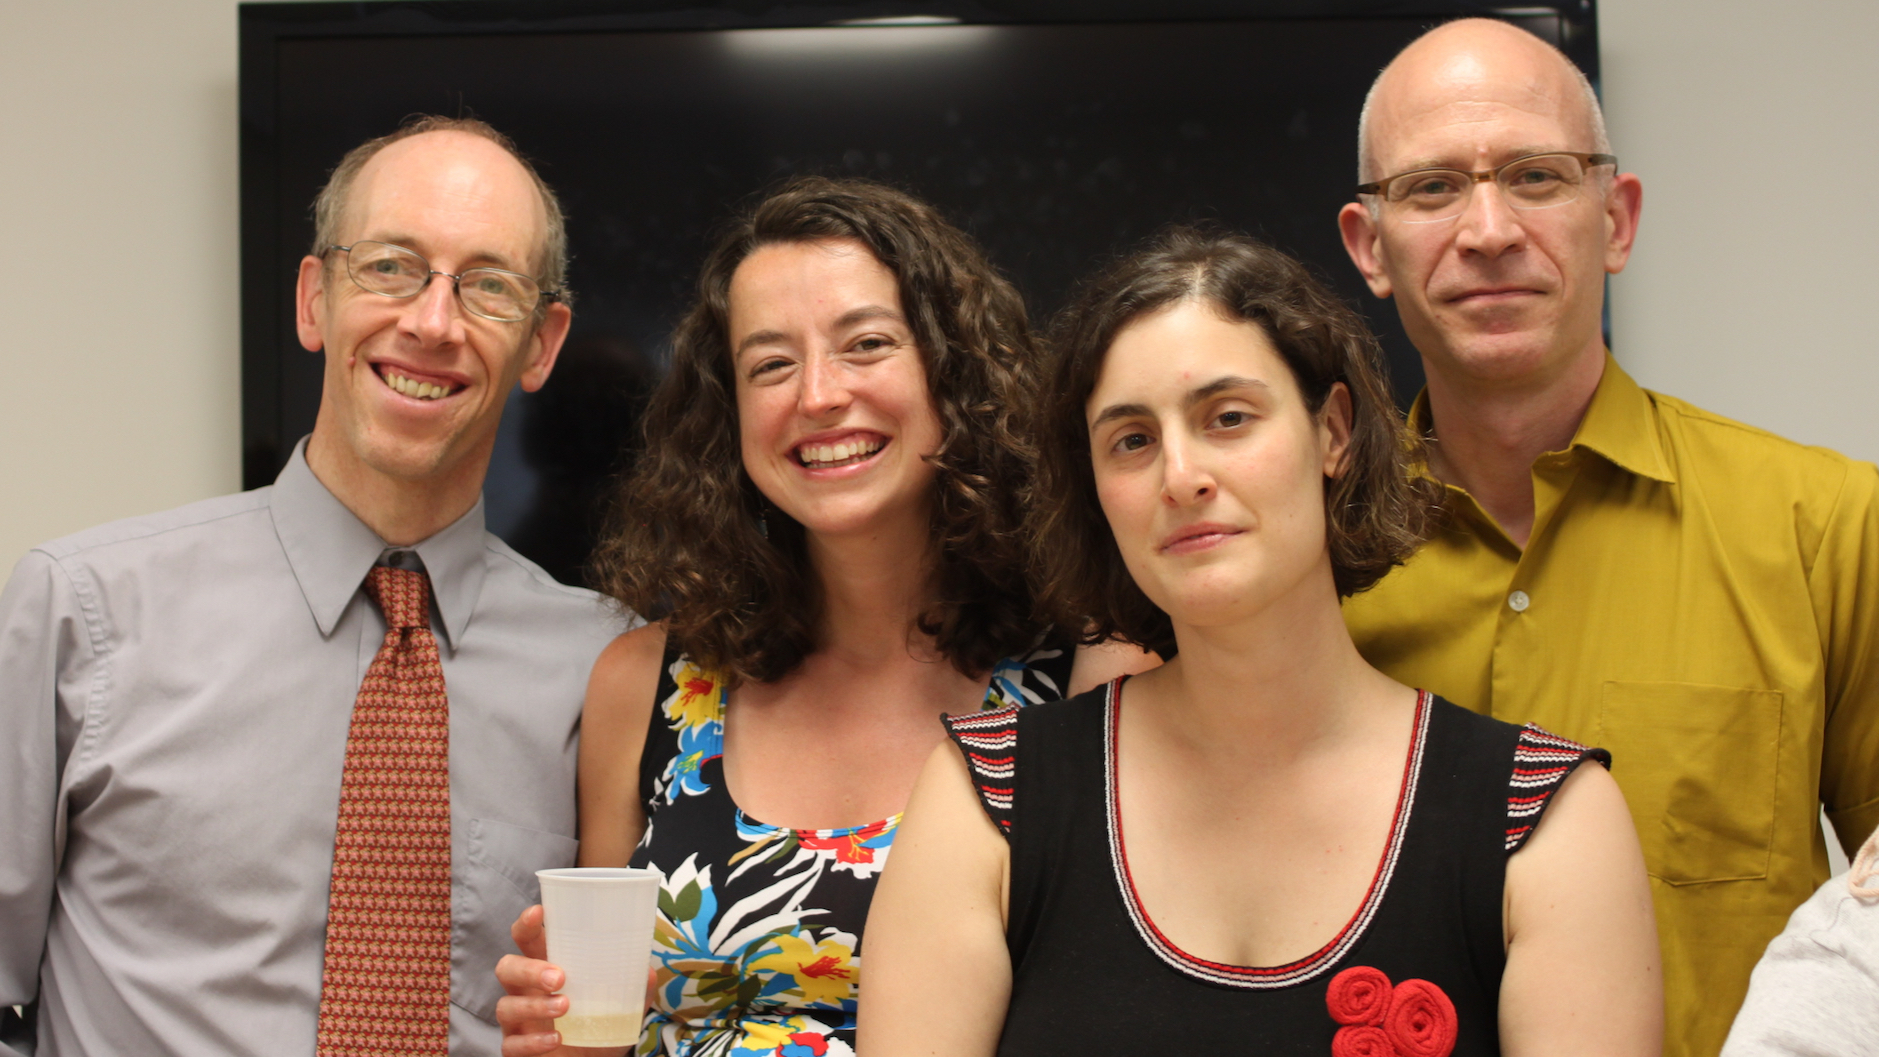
500	860
1697	766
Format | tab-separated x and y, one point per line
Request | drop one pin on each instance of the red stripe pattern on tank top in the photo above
989	741
1542	761
1261	978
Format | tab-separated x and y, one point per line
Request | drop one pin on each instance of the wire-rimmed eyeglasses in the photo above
393	271
1534	181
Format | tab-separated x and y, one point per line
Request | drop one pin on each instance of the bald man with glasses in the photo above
1618	566
280	766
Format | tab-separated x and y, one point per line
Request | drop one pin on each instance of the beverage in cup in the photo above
598	921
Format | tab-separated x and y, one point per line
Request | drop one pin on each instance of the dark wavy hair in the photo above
1376	510
693	541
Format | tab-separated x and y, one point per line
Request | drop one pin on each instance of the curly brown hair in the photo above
1377	511
693	542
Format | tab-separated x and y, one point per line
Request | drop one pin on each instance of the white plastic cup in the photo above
599	925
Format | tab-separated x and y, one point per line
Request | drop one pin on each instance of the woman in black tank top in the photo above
1266	845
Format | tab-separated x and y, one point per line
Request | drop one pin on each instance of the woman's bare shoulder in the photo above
625	677
1106	661
614	723
1582	865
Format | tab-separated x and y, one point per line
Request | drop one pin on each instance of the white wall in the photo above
1751	291
118	301
1754	289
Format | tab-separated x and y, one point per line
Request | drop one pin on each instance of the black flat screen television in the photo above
1058	132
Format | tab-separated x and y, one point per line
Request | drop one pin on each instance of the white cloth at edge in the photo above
1815	993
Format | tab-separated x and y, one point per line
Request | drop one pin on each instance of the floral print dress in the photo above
757	947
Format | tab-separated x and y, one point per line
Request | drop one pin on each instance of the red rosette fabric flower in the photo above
1363	1040
1421	1020
1359	995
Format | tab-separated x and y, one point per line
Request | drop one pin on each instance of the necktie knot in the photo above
403	595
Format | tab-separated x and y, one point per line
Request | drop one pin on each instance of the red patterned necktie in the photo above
386	988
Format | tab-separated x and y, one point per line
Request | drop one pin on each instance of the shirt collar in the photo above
1620	425
330	550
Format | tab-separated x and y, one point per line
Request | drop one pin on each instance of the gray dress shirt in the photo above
175	695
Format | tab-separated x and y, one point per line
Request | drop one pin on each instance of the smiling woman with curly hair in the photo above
826	525
698	542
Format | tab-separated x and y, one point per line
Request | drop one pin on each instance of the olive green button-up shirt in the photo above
1702	599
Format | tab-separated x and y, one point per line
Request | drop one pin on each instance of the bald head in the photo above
549	264
1469	70
1506	293
459	182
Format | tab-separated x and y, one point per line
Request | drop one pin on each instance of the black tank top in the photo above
1415	972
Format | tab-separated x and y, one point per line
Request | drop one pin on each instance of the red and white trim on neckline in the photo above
1259	977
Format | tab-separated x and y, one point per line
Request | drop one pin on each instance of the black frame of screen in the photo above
264	26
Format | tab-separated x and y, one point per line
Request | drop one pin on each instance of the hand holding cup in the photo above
527	1015
596	924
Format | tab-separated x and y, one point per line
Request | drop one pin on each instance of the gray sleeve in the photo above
1815	993
43	641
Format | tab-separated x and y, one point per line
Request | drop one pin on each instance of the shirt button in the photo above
1518	601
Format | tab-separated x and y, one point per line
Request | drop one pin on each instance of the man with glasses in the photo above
280	766
1615	565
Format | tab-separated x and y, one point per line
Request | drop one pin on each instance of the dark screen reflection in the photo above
1055	145
577	436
